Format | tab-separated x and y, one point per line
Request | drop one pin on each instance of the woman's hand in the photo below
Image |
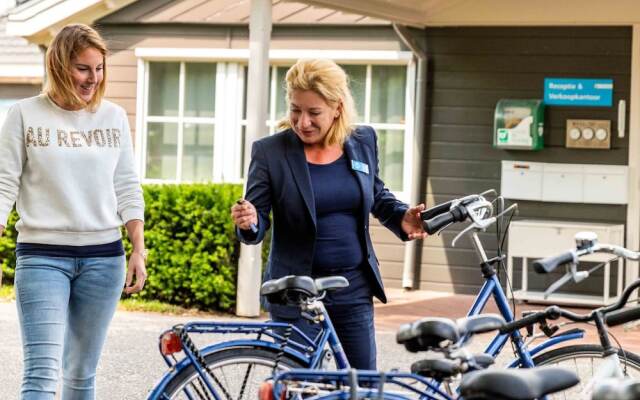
135	269
244	214
412	223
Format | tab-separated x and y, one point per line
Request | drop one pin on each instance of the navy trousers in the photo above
355	329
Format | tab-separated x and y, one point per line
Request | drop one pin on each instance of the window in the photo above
180	121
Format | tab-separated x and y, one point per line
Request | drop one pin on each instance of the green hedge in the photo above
193	252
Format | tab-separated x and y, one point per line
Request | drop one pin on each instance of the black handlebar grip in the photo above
523	322
435	211
546	265
438	222
620	317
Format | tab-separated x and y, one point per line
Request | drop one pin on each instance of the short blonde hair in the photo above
72	40
329	81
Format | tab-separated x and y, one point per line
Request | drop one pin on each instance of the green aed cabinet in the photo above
518	124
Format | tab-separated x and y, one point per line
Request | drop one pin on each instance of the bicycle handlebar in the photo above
613	314
433	225
620	317
548	264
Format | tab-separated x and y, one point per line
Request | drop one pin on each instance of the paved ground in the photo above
131	364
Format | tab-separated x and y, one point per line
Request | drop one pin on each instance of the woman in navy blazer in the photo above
319	178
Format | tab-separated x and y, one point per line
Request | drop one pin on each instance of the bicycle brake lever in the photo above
558	284
462	233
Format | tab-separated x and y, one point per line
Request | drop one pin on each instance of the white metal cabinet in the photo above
569	183
537	238
521	180
605	184
562	182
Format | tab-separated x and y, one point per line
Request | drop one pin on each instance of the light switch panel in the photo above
588	134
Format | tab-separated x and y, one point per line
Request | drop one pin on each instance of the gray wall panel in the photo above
470	69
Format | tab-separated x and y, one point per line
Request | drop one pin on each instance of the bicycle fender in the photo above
560	338
157	393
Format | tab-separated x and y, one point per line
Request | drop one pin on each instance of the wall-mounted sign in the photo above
578	92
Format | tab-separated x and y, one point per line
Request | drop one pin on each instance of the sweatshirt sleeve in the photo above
126	181
12	158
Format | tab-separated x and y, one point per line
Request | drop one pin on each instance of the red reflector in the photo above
170	343
266	391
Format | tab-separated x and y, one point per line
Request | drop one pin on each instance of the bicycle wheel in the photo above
239	373
584	360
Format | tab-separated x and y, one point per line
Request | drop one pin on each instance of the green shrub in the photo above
193	251
8	248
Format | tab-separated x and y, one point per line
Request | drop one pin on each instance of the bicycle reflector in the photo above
266	391
170	343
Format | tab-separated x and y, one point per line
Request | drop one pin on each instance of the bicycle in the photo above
610	315
431	333
477	210
202	373
445	340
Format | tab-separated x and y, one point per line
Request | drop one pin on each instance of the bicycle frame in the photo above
308	352
492	288
373	379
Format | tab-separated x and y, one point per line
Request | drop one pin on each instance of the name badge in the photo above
359	166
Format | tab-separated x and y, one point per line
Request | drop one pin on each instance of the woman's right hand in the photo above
244	214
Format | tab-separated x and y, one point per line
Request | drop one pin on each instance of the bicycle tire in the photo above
260	359
584	360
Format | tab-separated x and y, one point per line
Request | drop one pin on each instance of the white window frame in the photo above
230	82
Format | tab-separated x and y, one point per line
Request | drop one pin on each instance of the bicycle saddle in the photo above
516	384
436	368
293	289
617	389
429	333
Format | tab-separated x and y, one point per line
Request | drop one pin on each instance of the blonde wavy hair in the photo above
329	81
72	40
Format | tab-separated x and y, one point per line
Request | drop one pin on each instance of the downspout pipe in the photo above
413	248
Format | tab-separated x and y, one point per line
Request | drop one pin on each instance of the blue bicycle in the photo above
444	340
233	369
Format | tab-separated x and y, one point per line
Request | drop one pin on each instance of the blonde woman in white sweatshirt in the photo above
66	160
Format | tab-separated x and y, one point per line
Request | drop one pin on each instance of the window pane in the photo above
390	154
163	88
197	153
357	81
388	83
200	89
162	150
281	92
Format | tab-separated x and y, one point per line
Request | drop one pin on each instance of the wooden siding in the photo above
470	69
19	91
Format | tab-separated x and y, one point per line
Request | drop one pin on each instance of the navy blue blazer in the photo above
279	181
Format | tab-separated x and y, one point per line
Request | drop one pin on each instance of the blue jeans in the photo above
65	306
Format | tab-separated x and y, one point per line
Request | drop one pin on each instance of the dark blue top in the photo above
339	246
112	249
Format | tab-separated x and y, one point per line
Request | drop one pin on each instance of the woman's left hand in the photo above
136	268
412	223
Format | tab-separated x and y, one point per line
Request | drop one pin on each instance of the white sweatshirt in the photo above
72	173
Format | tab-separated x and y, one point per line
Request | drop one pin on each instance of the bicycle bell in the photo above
585	240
